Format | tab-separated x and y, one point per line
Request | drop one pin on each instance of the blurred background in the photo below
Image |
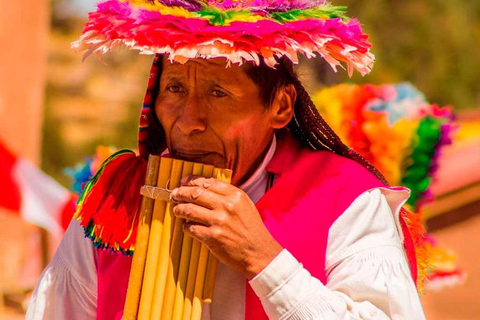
55	111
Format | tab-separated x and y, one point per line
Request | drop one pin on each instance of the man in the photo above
300	233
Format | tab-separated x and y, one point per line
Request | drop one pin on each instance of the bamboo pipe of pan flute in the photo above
164	255
183	271
187	308
175	254
132	300
194	271
153	241
224	175
200	278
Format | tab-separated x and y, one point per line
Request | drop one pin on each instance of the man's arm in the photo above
368	276
67	288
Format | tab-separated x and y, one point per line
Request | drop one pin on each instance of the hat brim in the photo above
238	36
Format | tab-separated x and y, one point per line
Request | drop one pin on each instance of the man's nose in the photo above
191	120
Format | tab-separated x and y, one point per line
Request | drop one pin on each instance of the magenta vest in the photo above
312	189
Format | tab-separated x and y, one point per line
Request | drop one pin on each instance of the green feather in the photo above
416	176
326	12
216	16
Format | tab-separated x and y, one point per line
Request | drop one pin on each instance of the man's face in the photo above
213	114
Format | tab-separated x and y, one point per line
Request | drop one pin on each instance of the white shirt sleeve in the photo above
367	273
67	288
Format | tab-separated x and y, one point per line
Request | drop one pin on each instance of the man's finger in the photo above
195	213
198	195
197	231
211	184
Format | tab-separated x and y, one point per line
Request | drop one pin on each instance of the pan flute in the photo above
171	274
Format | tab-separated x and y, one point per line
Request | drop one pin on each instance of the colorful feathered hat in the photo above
238	30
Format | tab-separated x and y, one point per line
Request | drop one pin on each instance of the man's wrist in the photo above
263	260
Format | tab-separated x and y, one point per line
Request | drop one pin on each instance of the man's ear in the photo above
283	106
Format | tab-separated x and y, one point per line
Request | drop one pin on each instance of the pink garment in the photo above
312	189
113	271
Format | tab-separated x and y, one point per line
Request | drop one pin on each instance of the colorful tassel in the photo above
109	203
415	232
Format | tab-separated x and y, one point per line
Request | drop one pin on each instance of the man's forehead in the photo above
216	68
216	62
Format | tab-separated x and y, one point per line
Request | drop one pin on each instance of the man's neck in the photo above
259	169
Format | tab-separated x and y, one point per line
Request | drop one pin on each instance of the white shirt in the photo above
367	273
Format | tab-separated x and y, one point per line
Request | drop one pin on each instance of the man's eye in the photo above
174	89
218	93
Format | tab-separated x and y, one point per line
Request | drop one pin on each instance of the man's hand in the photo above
226	220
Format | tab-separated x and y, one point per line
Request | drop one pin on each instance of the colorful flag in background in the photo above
33	195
